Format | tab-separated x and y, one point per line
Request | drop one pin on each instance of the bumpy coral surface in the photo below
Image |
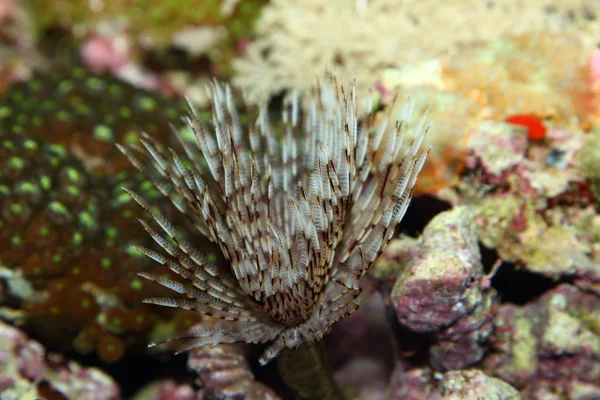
501	80
298	40
87	114
65	223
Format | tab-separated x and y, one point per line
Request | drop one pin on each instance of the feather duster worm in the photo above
300	209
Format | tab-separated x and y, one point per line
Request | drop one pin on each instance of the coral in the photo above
27	371
549	347
214	28
65	223
88	113
300	222
520	75
508	78
297	40
442	290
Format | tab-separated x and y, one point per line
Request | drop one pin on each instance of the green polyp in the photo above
147	103
16	240
114	89
131	137
106	263
16	208
147	185
35	85
73	190
72	174
86	219
30	144
22	119
123	198
125	112
45	182
58	208
57	258
44	230
79	72
8	144
17	97
4	189
82	109
86	303
48	104
18	129
63	115
76	270
112	232
127	214
5	112
109	119
27	187
171	113
133	252
65	86
137	284
58	149
94	83
16	162
77	238
37	121
103	133
187	134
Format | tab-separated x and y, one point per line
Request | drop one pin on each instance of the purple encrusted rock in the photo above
550	348
442	290
441	282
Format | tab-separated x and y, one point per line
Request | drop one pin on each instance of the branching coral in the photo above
300	39
299	223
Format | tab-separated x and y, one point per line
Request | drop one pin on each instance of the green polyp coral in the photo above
86	114
66	226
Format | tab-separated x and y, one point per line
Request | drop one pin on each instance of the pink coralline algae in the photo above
550	348
442	290
27	371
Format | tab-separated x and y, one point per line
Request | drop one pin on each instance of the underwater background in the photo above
489	287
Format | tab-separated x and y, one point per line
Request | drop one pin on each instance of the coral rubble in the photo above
549	348
27	371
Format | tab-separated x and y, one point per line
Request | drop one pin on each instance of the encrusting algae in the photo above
300	219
